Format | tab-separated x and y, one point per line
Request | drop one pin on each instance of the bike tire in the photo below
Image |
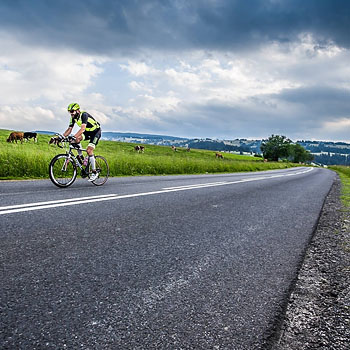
61	173
102	168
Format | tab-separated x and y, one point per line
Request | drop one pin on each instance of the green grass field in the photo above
344	174
31	160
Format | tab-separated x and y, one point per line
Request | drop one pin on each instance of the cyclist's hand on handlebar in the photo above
72	139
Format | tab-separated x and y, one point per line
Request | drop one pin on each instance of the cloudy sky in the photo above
193	68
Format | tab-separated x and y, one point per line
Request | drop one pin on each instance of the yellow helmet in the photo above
73	107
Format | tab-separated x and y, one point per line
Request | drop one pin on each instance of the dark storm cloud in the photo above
295	112
105	26
320	101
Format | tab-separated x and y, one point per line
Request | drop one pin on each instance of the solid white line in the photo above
196	185
93	199
53	202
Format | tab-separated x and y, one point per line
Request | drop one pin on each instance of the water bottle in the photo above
86	159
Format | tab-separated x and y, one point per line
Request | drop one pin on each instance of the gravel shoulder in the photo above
317	315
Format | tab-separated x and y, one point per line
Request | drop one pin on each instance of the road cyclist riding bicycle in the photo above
89	130
63	167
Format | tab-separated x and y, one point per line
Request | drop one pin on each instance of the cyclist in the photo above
89	130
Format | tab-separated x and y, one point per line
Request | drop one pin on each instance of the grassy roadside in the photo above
344	174
30	160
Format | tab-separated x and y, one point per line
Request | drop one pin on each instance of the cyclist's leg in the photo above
80	152
80	138
78	147
94	138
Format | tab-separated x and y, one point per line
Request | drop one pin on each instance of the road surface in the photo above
166	262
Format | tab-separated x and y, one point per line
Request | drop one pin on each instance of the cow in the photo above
219	155
139	149
30	135
54	140
173	148
14	136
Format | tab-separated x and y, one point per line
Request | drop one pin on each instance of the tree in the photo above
298	154
275	147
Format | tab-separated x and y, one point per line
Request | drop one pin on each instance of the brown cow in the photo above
219	155
14	136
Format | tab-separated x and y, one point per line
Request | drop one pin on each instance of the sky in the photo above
221	69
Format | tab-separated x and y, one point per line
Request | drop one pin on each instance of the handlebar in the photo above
60	139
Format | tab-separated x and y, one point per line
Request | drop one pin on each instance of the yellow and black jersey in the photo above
85	118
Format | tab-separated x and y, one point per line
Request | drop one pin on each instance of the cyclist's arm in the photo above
80	131
68	131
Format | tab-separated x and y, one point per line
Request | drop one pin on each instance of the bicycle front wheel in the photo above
62	170
102	169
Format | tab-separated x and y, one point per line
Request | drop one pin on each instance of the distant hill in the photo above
328	153
324	152
242	146
120	135
45	132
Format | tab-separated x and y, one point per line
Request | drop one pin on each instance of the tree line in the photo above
278	147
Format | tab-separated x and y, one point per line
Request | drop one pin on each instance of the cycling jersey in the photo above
85	118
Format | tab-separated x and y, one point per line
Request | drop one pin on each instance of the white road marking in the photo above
196	185
53	202
75	201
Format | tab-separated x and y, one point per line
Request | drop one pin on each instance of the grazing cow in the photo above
188	149
14	136
219	155
30	135
173	148
139	149
54	140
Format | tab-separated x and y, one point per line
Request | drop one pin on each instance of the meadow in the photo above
31	160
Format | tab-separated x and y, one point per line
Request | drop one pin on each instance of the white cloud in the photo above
137	68
337	125
244	91
26	118
139	86
32	77
29	73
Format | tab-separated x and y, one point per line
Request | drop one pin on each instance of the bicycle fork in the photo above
65	164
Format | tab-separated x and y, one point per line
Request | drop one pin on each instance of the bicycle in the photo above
63	168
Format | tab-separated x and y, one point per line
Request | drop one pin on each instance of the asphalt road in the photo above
171	262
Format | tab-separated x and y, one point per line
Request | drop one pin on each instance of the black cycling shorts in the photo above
93	137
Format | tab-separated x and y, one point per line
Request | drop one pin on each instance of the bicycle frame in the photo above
71	155
69	147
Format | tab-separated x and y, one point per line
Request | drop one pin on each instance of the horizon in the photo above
191	138
202	138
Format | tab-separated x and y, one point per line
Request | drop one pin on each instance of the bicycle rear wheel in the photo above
62	170
102	169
